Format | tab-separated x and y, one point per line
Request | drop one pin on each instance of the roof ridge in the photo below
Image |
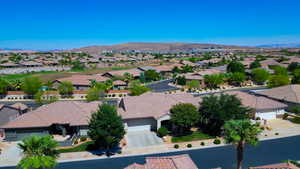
292	88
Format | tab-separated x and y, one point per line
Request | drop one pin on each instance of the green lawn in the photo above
82	147
21	76
196	135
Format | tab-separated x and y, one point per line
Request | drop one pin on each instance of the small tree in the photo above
31	85
128	77
235	66
39	152
184	116
193	84
65	88
181	80
137	89
106	127
260	75
279	70
214	80
151	75
241	132
293	66
278	80
94	94
237	78
296	77
255	64
3	86
186	69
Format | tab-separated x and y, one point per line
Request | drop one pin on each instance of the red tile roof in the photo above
169	162
83	79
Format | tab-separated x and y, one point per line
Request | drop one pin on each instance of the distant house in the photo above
81	82
9	65
289	94
135	72
31	64
166	162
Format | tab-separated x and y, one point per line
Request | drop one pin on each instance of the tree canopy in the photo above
214	80
235	66
255	64
237	78
184	116
215	110
278	80
293	66
136	88
39	152
241	132
4	85
193	84
181	80
65	88
106	127
31	85
296	77
151	75
260	75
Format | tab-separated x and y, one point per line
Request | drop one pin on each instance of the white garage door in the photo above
139	128
267	115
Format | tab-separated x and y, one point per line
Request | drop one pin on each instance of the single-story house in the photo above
265	108
135	72
81	82
289	94
166	162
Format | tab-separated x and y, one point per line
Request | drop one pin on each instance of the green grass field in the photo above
196	135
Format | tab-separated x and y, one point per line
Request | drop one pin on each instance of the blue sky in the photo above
61	24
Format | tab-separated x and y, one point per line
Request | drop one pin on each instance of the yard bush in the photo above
217	141
176	146
285	116
83	138
163	131
294	109
189	146
202	144
296	120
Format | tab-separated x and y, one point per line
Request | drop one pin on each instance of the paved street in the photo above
270	151
161	86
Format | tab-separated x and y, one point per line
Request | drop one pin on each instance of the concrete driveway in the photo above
137	139
11	154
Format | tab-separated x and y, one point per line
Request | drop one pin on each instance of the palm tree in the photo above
38	152
241	132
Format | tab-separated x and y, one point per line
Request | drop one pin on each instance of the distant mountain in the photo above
287	45
153	47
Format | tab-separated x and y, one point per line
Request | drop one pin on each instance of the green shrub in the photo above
285	116
162	132
83	138
217	141
276	134
176	146
296	120
189	146
202	144
294	109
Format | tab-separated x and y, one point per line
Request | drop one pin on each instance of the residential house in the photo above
289	94
81	82
166	162
135	72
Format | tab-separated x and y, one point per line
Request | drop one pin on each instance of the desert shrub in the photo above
202	144
276	134
83	138
189	146
176	146
163	131
217	141
296	120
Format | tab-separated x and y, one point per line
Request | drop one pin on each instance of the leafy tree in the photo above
260	75
94	94
142	77
176	70
296	77
31	85
77	66
293	66
241	132
278	80
214	80
181	80
128	77
137	89
235	66
184	116
186	69
151	75
237	78
106	127
39	152
255	64
105	86
216	110
42	97
193	84
65	88
279	70
4	85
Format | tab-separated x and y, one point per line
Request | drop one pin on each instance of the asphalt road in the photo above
267	152
161	86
